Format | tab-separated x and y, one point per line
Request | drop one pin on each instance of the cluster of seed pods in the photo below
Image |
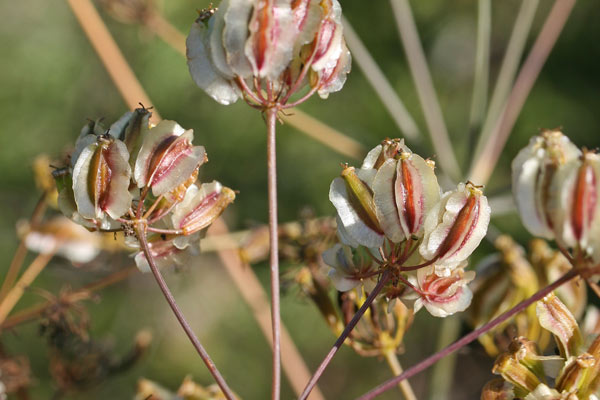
392	214
134	176
281	46
557	191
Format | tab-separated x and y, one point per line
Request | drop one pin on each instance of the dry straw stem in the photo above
508	69
250	288
392	360
380	83
14	294
21	252
300	120
117	67
425	90
483	166
482	64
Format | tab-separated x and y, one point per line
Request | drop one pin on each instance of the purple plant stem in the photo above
274	251
429	361
212	368
340	340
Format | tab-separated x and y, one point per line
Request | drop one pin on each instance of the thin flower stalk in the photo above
385	277
384	90
425	90
508	69
465	340
212	368
483	165
274	251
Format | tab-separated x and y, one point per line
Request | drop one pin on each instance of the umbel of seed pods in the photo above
134	174
557	191
391	214
281	47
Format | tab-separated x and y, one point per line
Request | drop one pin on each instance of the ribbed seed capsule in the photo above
405	189
576	205
201	206
101	179
167	158
352	197
556	317
455	226
533	171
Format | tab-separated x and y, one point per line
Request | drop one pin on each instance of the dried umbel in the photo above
391	209
575	374
281	46
140	179
556	187
189	390
512	276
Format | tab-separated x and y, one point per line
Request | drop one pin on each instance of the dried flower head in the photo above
284	44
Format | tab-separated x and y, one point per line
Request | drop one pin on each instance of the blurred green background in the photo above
52	80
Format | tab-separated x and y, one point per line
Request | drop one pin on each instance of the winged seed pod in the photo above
441	296
575	205
101	175
454	227
405	189
352	196
351	267
167	158
201	206
278	40
533	170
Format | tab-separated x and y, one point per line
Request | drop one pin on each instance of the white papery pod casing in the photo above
355	207
165	253
442	296
389	148
349	267
455	226
405	189
167	158
203	52
575	205
101	179
272	34
555	317
532	172
332	79
201	206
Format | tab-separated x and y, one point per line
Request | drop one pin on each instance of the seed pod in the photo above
455	226
351	267
167	158
201	206
352	197
575	205
556	317
101	179
497	389
532	172
443	296
167	252
405	189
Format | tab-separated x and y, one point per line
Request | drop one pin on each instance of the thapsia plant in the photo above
401	238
